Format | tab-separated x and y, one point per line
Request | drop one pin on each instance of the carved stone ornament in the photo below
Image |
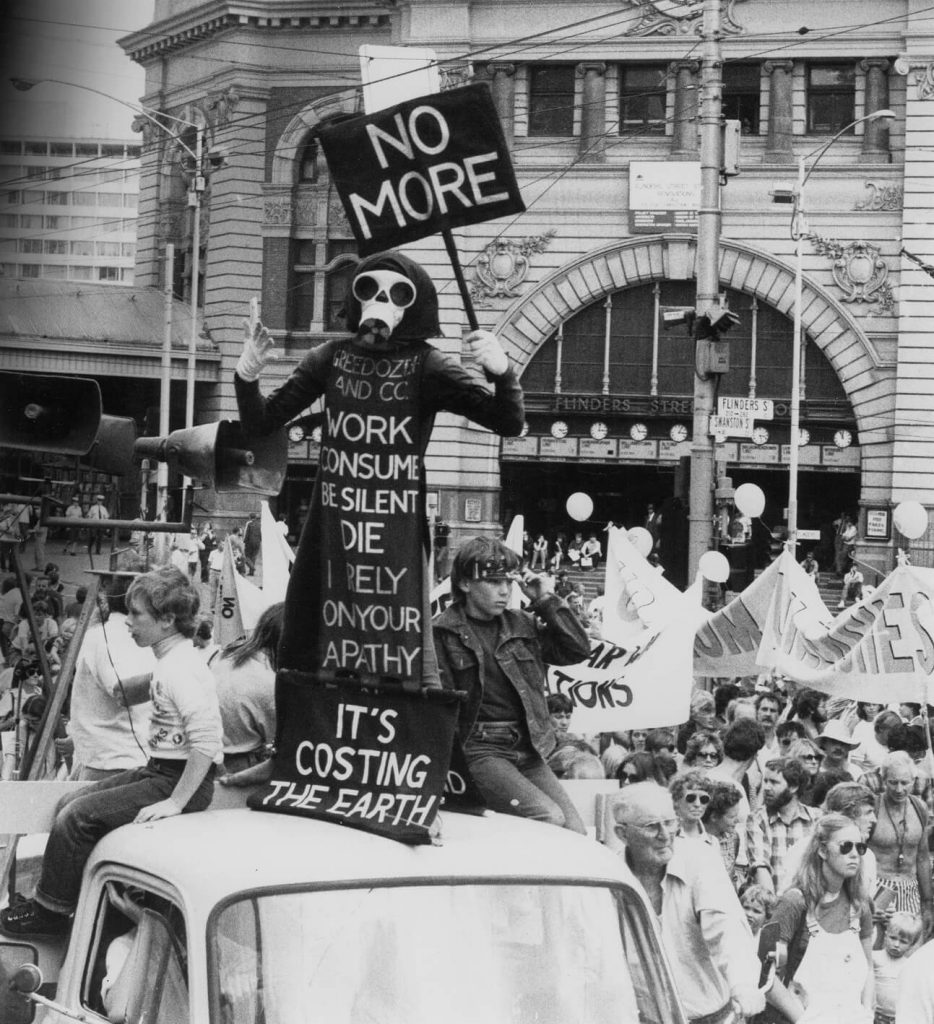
859	271
222	105
277	210
680	17
503	265
455	75
881	197
924	77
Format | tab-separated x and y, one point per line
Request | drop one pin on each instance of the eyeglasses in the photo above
697	798
809	757
848	844
656	828
707	755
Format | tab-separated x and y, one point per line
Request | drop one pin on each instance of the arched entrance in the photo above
609	392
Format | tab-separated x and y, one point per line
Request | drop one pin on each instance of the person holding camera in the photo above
498	655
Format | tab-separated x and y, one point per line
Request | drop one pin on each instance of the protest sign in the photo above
372	758
638	597
423	166
880	649
727	644
228	623
643	685
277	557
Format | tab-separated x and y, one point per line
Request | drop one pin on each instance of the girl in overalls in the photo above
826	927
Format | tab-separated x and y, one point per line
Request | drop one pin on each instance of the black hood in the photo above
420	320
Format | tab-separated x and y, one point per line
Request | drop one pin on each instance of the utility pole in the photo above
194	201
700	521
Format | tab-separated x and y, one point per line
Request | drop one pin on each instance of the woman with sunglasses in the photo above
704	750
690	791
809	754
826	927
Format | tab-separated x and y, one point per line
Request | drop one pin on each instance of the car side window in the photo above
137	968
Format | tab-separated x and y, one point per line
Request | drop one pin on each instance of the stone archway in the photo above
291	140
868	383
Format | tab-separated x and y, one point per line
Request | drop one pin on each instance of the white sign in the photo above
739	425
757	408
808	534
664	186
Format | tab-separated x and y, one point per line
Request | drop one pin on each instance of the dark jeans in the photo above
88	816
515	780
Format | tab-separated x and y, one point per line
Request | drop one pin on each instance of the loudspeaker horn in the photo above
221	456
43	413
113	449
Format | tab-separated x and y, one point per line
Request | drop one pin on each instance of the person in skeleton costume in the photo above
358	596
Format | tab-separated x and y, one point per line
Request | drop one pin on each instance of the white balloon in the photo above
750	500
911	519
714	566
580	506
640	538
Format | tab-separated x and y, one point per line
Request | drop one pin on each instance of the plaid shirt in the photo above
770	835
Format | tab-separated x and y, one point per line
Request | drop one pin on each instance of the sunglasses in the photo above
809	757
657	828
697	798
708	755
847	847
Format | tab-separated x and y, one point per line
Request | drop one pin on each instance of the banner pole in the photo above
459	277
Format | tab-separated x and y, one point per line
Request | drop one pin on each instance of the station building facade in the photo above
599	106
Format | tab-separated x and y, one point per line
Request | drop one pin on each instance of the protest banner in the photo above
727	644
374	758
423	166
880	649
638	597
228	622
643	685
276	555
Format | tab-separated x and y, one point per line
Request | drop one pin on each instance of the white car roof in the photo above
218	852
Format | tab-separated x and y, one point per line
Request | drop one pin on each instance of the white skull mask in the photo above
384	296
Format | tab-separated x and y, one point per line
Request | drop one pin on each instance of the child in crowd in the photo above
184	744
757	903
901	940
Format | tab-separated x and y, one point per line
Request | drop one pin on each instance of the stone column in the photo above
778	148
502	79
876	133
684	141
592	143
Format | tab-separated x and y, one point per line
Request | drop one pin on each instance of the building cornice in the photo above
210	19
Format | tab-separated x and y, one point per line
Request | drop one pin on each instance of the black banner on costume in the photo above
369	473
426	165
372	758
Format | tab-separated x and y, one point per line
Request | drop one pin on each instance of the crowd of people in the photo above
773	805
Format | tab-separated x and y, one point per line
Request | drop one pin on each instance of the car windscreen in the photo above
467	954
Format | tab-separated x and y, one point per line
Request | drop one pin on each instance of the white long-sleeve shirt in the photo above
185	713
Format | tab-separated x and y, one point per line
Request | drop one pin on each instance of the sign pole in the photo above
459	277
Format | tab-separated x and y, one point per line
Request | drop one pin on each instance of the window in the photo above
56	270
84	198
112	150
111	199
62	149
133	152
80	273
308	161
30	245
109	249
37	148
544	953
11	148
337	284
55	247
36	171
642	96
128	249
108	273
85	149
14	197
139	948
33	196
9	220
741	86
30	220
551	100
54	223
130	200
56	198
29	270
831	97
82	248
8	244
301	304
